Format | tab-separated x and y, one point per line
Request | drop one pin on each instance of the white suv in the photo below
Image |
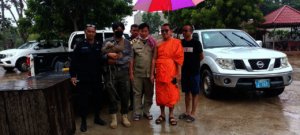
9	59
233	59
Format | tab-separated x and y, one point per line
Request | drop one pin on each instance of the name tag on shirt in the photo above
188	49
84	48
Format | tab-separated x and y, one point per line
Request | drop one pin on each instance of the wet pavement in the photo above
231	113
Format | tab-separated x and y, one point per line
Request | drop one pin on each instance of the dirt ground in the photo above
294	59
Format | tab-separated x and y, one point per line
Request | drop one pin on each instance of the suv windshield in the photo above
214	39
27	45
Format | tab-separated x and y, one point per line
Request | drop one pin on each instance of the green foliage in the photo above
286	33
219	14
279	34
19	42
57	19
1	36
272	34
33	37
154	21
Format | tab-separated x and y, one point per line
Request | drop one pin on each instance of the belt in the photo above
118	69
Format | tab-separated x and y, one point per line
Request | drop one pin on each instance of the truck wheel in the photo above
274	92
208	84
21	65
9	68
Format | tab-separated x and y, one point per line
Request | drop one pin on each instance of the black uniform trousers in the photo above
85	90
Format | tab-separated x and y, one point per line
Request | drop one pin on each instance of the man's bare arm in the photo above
153	63
131	70
201	55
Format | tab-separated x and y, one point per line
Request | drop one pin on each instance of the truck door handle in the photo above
48	51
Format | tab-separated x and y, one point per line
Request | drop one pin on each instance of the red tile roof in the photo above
285	16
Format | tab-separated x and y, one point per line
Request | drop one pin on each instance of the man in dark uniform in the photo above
134	31
86	74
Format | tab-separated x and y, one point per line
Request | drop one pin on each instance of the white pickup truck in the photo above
44	62
233	59
16	58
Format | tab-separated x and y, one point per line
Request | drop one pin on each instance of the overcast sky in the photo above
129	19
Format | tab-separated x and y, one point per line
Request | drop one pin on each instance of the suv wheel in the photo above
21	65
8	68
208	84
274	92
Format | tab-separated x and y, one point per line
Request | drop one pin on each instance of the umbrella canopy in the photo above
164	5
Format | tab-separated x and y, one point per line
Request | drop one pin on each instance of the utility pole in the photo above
3	24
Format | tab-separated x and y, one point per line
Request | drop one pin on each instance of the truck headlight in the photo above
225	63
284	62
10	55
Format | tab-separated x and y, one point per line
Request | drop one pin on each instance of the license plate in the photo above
262	83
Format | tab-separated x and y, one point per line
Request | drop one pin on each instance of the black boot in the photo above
99	121
131	107
83	127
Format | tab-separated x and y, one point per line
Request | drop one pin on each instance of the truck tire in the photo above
208	85
274	92
9	68
21	65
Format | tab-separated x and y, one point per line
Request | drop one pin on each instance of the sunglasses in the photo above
162	31
134	30
90	25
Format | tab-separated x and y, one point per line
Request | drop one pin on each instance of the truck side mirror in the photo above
259	42
36	48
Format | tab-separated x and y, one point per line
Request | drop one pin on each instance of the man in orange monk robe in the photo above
167	61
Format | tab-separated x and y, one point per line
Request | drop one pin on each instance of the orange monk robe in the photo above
169	54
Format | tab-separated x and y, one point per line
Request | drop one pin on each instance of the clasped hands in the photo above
112	58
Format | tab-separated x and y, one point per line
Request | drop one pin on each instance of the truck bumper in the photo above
244	81
7	62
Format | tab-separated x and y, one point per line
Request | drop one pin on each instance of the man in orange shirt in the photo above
167	61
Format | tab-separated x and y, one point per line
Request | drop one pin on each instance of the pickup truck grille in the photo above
264	65
277	63
239	64
2	56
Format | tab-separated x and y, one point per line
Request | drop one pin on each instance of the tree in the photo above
180	17
154	21
218	14
57	19
19	5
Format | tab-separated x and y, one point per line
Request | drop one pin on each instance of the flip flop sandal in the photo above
172	122
192	119
136	117
183	115
160	119
148	117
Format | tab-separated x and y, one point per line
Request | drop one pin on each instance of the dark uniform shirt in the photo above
129	38
86	62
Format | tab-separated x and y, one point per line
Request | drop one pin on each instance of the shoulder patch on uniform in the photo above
134	41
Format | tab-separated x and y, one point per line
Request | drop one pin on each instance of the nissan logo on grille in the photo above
260	64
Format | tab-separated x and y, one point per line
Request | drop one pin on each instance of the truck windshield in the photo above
27	45
215	39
